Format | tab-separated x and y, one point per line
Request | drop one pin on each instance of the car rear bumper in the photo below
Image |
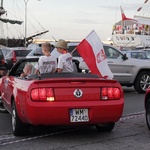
58	113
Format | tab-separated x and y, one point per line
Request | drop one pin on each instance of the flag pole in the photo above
73	50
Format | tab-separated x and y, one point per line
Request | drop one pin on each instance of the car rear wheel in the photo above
105	127
142	82
148	114
19	128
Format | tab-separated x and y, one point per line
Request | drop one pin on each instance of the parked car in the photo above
60	99
137	54
15	53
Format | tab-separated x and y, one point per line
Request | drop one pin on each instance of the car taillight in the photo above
14	58
42	94
110	93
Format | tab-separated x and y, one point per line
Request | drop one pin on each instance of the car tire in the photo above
19	128
148	114
142	82
105	127
2	108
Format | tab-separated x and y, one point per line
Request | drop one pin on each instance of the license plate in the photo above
79	115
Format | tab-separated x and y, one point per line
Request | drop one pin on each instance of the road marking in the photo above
32	138
132	116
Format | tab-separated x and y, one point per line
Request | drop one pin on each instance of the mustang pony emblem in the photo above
78	93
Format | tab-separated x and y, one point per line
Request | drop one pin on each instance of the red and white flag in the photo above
137	20
124	16
92	51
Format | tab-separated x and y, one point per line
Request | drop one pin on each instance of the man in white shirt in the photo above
65	63
46	63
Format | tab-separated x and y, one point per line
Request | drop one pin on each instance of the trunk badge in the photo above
78	93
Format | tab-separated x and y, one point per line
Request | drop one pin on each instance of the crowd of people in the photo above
131	29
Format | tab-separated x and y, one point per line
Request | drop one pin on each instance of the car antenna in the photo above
54	39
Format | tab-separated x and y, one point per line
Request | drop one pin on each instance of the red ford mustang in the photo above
60	99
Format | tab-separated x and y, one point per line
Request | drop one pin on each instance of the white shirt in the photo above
65	62
46	64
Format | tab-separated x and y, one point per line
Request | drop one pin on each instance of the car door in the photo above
121	68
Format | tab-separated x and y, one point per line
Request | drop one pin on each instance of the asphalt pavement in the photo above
130	133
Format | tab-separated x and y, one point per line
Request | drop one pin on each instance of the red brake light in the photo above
42	94
110	93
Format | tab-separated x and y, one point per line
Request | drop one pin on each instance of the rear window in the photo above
19	53
139	55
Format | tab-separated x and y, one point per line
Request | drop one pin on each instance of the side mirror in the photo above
9	64
124	57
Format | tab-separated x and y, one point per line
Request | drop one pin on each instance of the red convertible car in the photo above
60	99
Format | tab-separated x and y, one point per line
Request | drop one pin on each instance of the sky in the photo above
67	19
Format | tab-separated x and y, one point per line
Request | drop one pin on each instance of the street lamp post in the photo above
25	38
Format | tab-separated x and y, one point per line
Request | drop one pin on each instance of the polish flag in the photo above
124	16
92	51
